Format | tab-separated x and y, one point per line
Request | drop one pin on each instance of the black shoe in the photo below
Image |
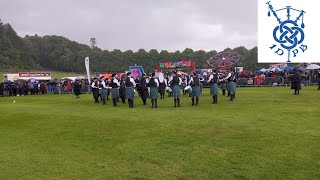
231	97
192	99
178	99
197	101
155	103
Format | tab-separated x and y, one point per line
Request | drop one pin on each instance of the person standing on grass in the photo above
103	91
223	84
196	90
231	78
213	80
130	85
95	90
77	89
114	84
122	90
162	87
144	94
175	81
154	84
296	81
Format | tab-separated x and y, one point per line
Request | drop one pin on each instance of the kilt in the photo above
104	93
115	93
122	92
176	91
196	91
144	94
223	86
162	88
228	86
153	93
214	89
95	93
129	93
232	87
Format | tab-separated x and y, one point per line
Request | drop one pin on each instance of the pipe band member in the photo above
104	91
130	85
144	94
196	89
175	81
154	84
114	89
231	77
95	89
213	80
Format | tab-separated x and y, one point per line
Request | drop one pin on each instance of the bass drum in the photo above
188	89
168	89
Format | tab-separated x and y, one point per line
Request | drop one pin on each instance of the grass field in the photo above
54	74
267	133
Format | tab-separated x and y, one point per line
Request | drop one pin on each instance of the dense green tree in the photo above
61	54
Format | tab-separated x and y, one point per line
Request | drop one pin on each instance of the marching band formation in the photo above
149	87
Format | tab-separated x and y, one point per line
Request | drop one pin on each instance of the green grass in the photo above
54	74
267	133
59	75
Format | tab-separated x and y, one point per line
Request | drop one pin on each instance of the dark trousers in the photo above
95	93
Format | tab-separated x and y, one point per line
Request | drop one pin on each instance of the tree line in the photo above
61	54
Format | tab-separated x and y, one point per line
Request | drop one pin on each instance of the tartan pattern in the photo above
223	86
103	93
232	87
176	91
214	89
196	91
115	93
129	93
153	93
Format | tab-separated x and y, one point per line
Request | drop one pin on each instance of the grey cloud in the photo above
133	24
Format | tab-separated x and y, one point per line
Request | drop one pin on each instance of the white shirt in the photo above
229	75
211	77
156	81
191	80
93	85
103	84
116	82
171	79
132	81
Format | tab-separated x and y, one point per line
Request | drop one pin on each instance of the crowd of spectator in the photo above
23	88
274	78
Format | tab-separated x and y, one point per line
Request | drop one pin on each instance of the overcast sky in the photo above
133	24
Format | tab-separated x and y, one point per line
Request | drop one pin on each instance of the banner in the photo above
86	61
34	74
176	64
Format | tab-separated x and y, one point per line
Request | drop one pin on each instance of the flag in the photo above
86	61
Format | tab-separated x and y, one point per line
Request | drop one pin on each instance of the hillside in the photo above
61	54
